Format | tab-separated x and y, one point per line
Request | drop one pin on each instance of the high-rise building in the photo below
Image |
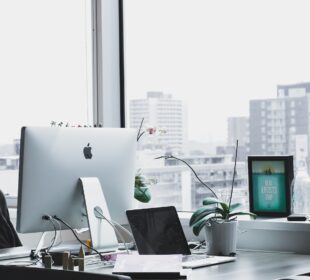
275	123
163	112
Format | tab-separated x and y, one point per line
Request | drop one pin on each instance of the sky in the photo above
215	55
44	65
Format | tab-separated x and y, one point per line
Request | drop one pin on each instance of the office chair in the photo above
8	235
33	273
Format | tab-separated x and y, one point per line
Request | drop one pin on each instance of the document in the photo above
144	265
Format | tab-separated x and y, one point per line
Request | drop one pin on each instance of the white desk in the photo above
248	266
253	266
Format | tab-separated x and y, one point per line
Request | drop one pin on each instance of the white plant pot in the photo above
221	238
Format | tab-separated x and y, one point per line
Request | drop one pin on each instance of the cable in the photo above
75	235
124	229
55	236
114	227
60	234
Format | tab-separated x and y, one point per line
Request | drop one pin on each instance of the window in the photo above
45	71
217	60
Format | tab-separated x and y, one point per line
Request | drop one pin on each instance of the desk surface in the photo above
254	266
248	266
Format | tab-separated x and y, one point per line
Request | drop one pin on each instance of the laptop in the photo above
159	231
14	253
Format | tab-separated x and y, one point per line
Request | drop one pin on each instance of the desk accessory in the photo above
65	260
47	260
298	217
270	185
71	263
81	259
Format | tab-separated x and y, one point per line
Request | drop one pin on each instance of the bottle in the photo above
301	189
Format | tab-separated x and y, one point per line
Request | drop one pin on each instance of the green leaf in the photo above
211	200
224	206
234	206
200	213
242	213
143	194
198	226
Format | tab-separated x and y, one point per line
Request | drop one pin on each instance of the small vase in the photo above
221	238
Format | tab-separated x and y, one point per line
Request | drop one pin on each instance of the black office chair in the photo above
8	235
19	272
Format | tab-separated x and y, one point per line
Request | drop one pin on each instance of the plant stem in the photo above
234	174
139	131
171	156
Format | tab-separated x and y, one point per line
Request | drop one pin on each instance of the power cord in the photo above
114	227
78	239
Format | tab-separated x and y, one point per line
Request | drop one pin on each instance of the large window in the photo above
45	71
209	73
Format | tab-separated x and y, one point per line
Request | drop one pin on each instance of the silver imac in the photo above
52	160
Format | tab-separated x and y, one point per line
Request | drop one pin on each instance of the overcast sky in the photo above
215	55
44	57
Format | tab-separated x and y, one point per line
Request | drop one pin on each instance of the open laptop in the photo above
159	231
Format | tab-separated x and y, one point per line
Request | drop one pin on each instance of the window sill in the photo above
276	234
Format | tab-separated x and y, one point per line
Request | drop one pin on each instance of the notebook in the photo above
159	231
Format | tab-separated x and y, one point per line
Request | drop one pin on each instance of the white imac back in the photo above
52	160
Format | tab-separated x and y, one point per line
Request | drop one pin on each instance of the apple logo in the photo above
87	152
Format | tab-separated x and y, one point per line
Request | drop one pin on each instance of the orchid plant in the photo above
142	184
213	209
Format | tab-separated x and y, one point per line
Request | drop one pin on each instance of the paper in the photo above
148	264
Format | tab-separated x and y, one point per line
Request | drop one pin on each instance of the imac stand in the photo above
102	234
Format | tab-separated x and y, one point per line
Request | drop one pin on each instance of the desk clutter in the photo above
81	262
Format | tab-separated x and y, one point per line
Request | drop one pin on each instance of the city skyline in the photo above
213	60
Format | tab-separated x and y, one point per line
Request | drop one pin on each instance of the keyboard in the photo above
195	261
14	253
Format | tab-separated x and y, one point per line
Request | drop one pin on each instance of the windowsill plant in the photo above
216	216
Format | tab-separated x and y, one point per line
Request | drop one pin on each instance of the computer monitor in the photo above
52	159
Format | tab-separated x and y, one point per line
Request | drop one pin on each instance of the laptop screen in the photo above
158	231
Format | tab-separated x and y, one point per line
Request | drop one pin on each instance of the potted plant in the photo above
142	192
219	220
217	217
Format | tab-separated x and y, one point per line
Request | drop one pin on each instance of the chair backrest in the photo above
8	235
34	273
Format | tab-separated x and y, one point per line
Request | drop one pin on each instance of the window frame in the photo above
108	86
108	64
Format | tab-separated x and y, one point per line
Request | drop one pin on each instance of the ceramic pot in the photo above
221	238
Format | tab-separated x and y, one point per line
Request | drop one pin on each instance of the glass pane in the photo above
45	72
209	73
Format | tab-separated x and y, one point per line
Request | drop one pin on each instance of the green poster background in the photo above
269	192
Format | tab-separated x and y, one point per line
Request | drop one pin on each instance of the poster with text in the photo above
269	194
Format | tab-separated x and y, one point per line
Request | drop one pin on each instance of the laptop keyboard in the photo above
189	258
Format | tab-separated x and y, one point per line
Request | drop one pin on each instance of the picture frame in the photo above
270	185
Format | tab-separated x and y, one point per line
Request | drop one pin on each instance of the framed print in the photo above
270	180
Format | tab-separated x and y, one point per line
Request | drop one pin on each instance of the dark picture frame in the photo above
270	185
